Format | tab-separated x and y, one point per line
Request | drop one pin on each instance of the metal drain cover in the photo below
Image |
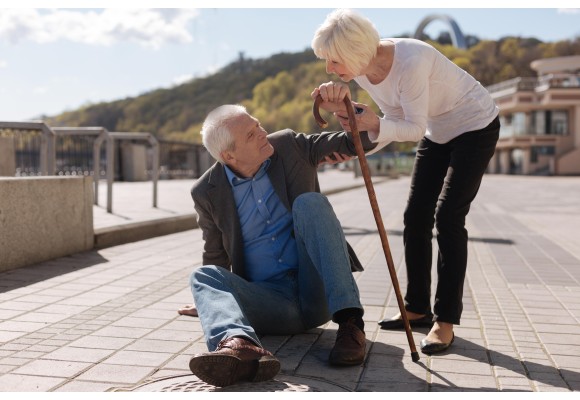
191	383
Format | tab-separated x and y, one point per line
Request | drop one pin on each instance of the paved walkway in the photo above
133	201
106	320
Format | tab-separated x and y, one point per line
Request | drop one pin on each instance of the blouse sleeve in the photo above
413	90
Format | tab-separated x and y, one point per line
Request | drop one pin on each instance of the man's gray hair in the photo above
348	38
216	131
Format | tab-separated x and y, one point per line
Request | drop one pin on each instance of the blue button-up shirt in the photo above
269	248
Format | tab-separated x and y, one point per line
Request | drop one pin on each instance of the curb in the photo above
133	232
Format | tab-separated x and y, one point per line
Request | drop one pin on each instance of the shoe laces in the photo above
348	328
226	343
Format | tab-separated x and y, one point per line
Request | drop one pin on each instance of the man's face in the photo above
252	147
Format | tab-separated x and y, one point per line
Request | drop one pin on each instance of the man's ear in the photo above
227	156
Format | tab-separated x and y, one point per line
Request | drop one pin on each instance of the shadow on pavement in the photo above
351	231
25	276
531	370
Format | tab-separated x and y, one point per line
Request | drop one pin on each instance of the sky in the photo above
61	58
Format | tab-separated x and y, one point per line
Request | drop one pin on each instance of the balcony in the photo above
545	82
557	81
527	141
512	86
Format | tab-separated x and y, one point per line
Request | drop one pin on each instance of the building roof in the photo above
568	64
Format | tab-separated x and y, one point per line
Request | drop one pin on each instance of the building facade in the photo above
540	120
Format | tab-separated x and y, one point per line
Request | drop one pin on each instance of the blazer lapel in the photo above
278	179
221	194
222	198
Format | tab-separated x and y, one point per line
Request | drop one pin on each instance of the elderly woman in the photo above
423	97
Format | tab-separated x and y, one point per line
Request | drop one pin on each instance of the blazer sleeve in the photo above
214	252
320	145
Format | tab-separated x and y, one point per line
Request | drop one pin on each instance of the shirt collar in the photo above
235	180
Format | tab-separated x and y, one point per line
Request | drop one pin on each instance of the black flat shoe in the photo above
429	348
397	323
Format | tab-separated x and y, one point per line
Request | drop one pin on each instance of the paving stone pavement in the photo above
106	320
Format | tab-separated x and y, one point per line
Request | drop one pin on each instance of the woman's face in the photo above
335	67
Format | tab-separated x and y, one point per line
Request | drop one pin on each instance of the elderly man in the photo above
275	258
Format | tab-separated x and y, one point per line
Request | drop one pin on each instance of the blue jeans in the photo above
228	305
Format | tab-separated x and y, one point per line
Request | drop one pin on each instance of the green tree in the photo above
277	89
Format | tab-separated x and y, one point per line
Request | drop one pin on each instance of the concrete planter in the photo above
44	218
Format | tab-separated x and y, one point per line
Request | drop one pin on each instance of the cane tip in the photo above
415	356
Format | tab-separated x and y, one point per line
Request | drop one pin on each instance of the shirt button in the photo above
259	201
268	221
280	260
274	238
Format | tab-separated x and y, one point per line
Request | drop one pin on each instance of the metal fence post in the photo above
110	172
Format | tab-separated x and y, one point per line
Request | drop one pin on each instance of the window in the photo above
539	122
541	151
559	123
515	124
506	129
519	124
549	122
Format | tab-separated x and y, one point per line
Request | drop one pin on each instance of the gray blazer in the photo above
292	171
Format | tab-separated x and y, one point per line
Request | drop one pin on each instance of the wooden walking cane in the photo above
375	207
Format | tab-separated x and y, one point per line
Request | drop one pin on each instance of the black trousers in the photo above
446	178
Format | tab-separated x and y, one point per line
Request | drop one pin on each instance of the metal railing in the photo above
180	160
561	80
99	135
544	82
46	148
112	137
42	154
513	85
33	148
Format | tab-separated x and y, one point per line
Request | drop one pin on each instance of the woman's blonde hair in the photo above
348	38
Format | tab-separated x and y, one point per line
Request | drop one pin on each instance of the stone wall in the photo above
43	218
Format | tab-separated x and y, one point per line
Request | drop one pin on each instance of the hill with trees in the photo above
277	89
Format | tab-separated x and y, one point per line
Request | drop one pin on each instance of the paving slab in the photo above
106	320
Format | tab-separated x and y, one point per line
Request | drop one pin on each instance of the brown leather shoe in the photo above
235	360
350	345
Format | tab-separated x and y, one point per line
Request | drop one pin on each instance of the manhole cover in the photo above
191	383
